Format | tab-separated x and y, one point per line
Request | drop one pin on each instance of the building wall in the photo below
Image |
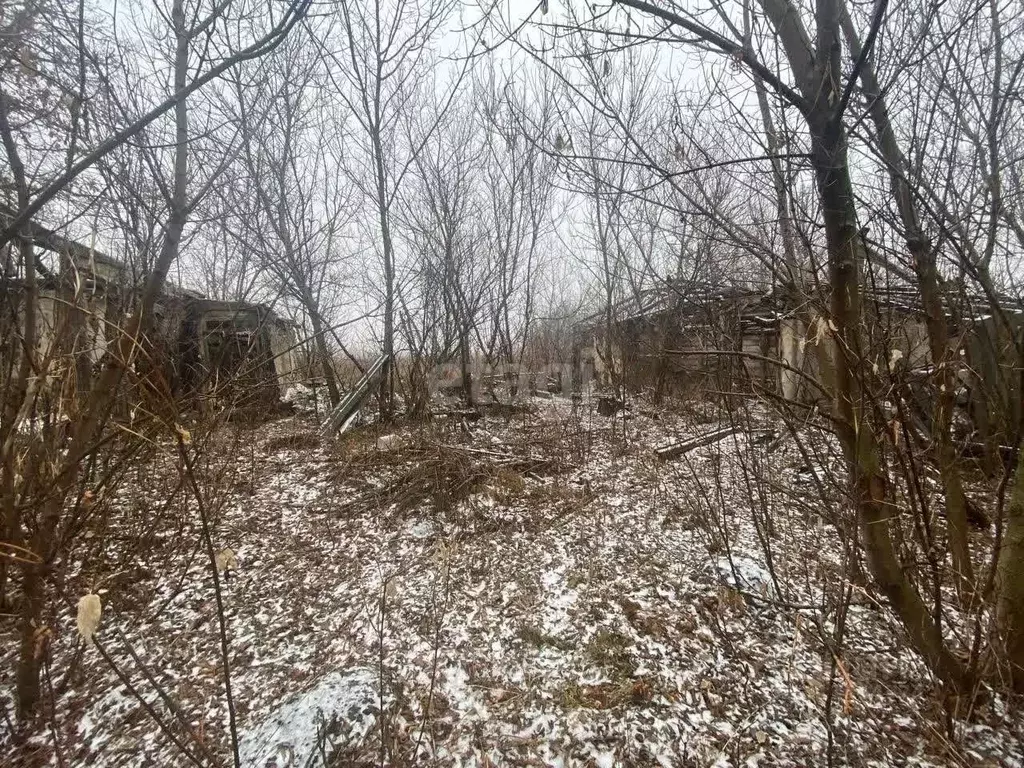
806	349
286	352
898	338
100	287
680	355
594	369
792	347
88	327
46	323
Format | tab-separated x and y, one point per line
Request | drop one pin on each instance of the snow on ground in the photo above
592	608
293	732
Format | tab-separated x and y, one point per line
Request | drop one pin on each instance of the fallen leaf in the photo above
89	610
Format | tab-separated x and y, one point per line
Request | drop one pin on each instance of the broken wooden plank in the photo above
673	450
342	416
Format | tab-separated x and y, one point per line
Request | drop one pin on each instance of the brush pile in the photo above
431	477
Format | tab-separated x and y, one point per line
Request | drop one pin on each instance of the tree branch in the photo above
296	11
869	44
725	46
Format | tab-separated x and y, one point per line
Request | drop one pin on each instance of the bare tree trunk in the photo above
795	282
387	386
326	363
53	483
103	396
603	225
794	275
467	375
1010	582
19	389
854	425
32	637
935	317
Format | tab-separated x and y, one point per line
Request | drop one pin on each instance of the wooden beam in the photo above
51	241
673	450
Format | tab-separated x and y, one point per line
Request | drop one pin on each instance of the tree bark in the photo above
387	386
928	281
326	363
1010	582
854	427
18	389
816	67
103	395
829	157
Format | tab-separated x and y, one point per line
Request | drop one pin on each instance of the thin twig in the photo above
221	617
123	677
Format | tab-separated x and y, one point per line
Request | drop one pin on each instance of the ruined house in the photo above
683	340
207	348
742	340
220	346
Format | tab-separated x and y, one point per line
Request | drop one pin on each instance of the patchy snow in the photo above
566	608
744	573
340	709
422	529
389	442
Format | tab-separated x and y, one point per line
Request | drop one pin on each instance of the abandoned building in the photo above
744	340
208	348
679	341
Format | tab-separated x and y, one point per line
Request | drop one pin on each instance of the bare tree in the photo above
811	66
519	193
295	203
383	52
443	217
51	503
821	91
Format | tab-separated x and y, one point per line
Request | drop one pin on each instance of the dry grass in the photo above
608	695
610	650
299	441
540	639
427	475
